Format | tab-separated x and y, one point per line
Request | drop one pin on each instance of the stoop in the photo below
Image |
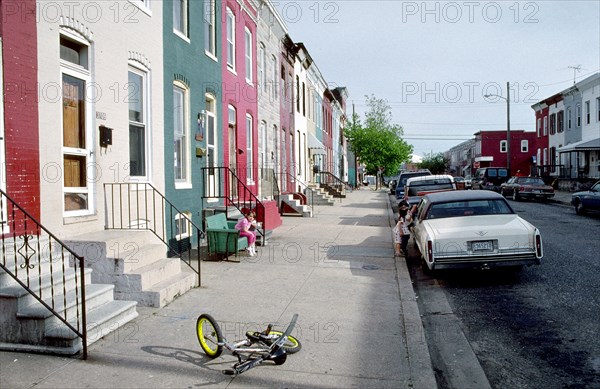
136	263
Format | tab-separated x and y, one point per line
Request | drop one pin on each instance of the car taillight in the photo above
429	251
538	246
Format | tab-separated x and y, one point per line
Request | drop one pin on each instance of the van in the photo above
416	187
490	178
404	176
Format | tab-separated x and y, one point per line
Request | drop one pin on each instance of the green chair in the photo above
222	237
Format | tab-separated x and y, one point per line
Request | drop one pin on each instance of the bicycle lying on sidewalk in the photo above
269	345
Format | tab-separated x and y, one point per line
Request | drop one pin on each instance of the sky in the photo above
434	61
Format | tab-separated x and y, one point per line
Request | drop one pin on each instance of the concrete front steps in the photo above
320	195
27	325
136	263
293	207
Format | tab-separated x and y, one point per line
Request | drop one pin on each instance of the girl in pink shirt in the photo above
246	227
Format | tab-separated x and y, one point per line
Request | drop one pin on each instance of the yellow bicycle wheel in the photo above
291	345
209	335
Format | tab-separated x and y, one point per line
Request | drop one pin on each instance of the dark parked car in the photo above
587	199
526	188
490	178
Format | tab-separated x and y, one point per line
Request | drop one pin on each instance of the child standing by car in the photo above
401	231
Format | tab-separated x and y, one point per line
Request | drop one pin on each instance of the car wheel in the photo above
515	196
579	209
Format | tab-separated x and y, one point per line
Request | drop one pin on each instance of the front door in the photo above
212	151
77	196
232	140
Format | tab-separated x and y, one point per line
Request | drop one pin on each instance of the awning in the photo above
315	145
588	145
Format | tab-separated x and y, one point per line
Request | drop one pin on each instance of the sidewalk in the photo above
562	197
359	323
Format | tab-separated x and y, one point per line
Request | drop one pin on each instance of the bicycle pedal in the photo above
229	372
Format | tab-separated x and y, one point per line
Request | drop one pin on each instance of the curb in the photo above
421	368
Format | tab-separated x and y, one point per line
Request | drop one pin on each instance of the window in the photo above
298	94
560	118
137	123
539	127
230	26
261	68
503	144
180	17
183	225
210	12
545	125
569	118
598	108
249	144
211	128
248	50
524	146
274	75
587	112
262	146
552	124
180	134
303	99
578	113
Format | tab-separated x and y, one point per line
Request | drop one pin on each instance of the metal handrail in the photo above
20	263
332	181
139	212
292	179
221	182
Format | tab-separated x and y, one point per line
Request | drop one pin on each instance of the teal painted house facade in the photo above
192	104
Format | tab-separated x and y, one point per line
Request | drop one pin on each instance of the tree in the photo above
378	142
436	163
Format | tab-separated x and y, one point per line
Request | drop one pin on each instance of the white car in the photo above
474	229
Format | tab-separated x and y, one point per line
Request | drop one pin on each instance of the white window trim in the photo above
188	225
250	149
185	183
248	47
143	5
524	146
5	226
545	126
79	72
211	149
184	34
137	67
212	51
503	145
229	13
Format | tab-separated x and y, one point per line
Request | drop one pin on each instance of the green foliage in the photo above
436	163
378	142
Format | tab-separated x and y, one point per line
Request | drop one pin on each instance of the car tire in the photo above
515	196
579	208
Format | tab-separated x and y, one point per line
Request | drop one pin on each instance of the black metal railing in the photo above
222	183
44	266
298	183
140	206
333	184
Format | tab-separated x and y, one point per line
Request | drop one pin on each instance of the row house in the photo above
460	158
568	131
125	123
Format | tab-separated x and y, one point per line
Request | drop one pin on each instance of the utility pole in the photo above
576	69
508	128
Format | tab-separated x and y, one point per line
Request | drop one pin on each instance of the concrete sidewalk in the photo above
359	323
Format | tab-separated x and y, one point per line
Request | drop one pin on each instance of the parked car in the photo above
526	188
404	176
468	182
392	185
474	229
490	178
587	199
416	187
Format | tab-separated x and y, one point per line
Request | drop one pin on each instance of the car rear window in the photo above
468	208
429	185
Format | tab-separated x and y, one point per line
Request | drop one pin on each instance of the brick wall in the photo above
19	38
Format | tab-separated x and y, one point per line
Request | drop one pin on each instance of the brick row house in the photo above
568	134
125	124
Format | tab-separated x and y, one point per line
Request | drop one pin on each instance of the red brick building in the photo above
491	149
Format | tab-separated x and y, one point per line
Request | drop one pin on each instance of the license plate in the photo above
482	246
